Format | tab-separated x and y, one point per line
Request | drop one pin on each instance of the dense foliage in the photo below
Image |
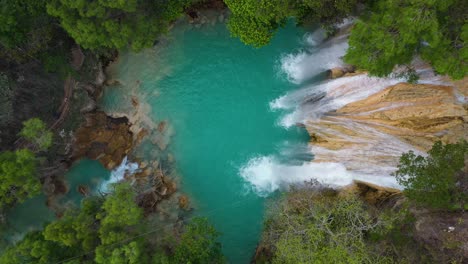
198	244
388	34
18	179
395	32
36	132
6	100
112	230
255	22
310	224
116	24
25	28
439	180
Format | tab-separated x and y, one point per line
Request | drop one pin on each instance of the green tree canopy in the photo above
310	224
439	180
115	24
18	18
36	132
25	28
395	32
198	244
33	248
18	179
256	21
112	230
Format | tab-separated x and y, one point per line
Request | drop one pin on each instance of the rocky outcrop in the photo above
338	72
369	135
418	114
374	195
103	138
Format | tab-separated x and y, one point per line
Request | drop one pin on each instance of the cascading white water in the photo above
366	153
118	174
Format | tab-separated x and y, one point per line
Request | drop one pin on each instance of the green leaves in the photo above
198	244
395	32
114	24
436	180
37	133
311	224
18	179
256	21
112	230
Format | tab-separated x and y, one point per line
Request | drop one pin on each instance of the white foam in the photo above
315	38
305	64
266	175
313	101
118	174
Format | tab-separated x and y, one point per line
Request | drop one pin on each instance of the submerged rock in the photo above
184	203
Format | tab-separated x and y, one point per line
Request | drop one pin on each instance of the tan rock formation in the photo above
374	131
418	114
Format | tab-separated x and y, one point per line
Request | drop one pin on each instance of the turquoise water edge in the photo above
214	93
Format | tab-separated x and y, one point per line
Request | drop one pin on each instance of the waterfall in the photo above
349	146
125	168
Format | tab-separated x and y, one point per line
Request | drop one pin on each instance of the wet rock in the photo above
83	190
338	72
162	126
141	135
103	138
184	202
135	101
170	185
143	165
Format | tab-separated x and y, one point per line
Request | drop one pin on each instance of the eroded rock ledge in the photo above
103	138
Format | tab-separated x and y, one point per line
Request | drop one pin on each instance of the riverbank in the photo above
404	233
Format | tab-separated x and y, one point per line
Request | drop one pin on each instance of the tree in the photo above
256	21
436	180
6	100
106	24
112	229
395	32
25	28
37	133
18	179
198	244
33	248
312	223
